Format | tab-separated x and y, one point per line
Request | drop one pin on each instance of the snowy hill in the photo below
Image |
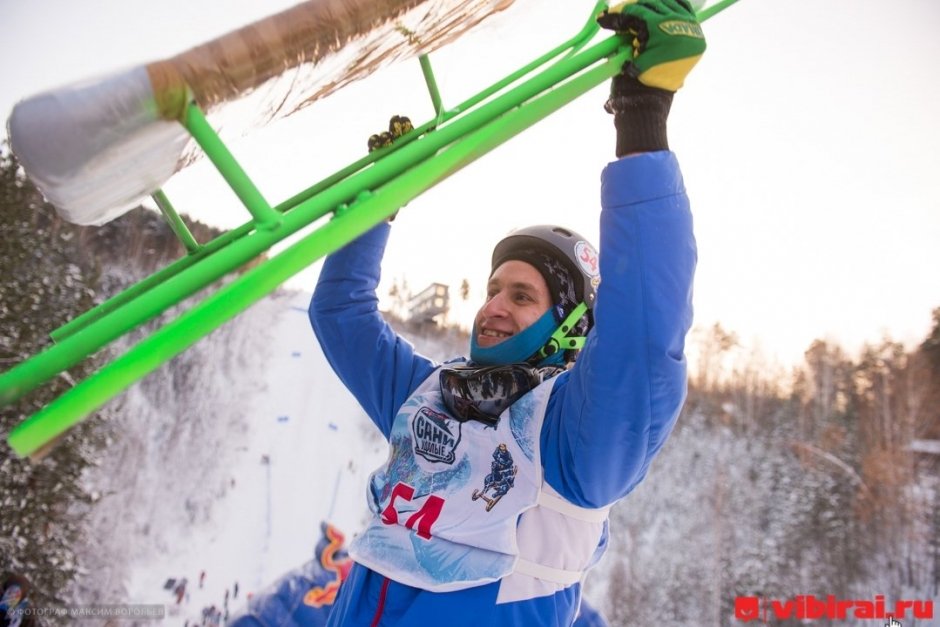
226	462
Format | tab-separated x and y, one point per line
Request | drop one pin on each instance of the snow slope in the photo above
226	461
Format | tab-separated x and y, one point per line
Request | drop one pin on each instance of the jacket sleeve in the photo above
611	413
379	368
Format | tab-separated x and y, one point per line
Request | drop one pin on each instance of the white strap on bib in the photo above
572	511
563	507
547	573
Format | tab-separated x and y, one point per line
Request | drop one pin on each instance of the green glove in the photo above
667	39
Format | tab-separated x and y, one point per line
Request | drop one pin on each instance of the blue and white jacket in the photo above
598	427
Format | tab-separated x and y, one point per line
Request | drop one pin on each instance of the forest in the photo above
822	482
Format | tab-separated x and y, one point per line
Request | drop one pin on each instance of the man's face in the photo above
516	296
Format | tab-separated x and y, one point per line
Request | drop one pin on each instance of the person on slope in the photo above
15	602
578	381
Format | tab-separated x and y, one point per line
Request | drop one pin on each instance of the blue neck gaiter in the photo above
520	346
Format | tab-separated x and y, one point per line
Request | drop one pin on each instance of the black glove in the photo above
640	115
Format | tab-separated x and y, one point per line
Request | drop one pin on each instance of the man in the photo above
502	469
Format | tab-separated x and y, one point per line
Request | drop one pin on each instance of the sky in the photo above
808	138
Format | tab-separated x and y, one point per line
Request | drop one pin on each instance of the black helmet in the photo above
571	249
550	248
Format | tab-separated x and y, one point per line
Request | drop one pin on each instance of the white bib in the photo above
448	499
448	503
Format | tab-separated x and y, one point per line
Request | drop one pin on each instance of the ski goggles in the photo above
483	393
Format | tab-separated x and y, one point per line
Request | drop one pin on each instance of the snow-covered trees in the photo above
761	493
50	272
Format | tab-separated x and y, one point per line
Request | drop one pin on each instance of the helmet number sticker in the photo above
587	258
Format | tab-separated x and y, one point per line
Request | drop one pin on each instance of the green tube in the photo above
197	125
27	375
716	8
432	86
396	178
573	44
175	222
175	337
141	287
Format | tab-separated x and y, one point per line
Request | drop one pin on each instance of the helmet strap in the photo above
559	340
515	349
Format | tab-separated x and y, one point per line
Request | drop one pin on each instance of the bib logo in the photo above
435	440
501	479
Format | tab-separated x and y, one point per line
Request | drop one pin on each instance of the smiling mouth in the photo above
489	337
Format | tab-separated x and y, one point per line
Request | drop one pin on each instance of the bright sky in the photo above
808	136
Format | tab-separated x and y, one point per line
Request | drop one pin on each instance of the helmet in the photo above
569	265
572	250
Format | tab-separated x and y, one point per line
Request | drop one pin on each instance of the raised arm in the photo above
611	414
380	368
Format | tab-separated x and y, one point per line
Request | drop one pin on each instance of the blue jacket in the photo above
607	417
304	596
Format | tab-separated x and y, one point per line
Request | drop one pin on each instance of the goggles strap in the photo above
559	340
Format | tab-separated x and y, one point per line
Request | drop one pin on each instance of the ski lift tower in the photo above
432	301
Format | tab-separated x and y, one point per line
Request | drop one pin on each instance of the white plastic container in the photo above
97	148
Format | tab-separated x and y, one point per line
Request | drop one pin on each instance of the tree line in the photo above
826	483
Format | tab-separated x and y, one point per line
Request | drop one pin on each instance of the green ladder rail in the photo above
182	279
66	356
355	198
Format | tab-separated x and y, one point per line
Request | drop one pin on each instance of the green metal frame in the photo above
355	198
